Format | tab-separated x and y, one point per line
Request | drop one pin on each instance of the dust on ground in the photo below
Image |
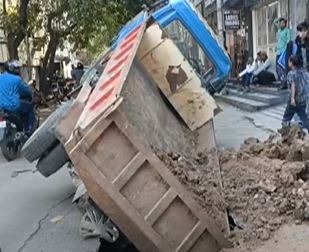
265	185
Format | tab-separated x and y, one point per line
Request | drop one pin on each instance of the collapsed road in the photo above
134	138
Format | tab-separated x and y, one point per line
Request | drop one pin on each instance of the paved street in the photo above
233	126
28	203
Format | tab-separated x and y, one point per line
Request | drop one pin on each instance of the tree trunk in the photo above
15	38
12	48
48	64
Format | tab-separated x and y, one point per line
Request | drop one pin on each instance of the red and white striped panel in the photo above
109	86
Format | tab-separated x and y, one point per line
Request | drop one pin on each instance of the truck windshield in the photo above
190	49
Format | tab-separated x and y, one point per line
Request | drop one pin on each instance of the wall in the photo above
299	11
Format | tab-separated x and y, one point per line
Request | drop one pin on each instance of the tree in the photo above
122	12
15	21
86	24
79	22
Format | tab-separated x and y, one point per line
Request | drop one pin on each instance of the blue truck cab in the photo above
192	35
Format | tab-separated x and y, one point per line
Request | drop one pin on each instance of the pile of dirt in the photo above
201	176
266	184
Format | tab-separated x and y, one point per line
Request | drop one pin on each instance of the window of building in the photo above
261	24
190	49
265	28
272	14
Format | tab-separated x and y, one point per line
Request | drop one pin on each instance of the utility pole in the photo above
220	22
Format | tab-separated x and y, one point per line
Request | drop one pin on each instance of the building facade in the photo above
256	30
263	15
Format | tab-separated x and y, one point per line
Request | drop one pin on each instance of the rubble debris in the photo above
267	185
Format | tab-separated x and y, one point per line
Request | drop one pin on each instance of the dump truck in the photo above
151	90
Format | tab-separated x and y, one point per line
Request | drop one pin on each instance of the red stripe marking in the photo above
118	64
108	82
130	38
125	47
133	33
123	51
129	41
101	99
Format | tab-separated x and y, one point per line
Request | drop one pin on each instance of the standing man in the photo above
78	73
302	42
283	38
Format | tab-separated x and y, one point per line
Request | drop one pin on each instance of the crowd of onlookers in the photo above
291	68
264	71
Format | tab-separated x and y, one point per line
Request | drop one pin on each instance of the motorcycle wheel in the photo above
10	148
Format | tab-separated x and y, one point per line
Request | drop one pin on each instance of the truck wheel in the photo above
53	161
44	138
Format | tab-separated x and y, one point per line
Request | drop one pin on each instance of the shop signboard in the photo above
231	20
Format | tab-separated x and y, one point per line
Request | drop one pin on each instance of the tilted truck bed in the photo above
125	118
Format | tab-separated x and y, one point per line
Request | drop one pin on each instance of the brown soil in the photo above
265	185
201	175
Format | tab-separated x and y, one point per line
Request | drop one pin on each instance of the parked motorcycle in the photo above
60	88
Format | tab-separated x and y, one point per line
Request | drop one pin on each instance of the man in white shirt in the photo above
247	74
264	74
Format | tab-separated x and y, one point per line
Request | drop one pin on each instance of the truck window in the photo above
190	49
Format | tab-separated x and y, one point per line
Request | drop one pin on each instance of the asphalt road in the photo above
29	202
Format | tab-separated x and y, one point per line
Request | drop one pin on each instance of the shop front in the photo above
237	25
265	12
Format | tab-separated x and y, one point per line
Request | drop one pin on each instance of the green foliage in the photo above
114	15
10	20
88	24
97	22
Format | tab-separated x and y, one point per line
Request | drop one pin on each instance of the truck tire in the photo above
53	161
44	137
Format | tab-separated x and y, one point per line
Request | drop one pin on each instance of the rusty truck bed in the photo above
126	116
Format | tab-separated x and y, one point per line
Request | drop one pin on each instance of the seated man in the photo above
247	74
12	90
264	74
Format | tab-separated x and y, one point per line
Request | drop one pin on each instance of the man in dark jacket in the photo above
302	42
78	73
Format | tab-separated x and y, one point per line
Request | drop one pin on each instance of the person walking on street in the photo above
298	81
